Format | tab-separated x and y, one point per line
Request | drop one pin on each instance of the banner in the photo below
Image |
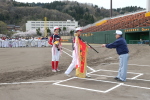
81	54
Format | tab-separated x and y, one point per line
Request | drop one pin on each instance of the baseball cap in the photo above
56	27
78	29
118	32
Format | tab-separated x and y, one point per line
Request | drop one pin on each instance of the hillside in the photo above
20	15
12	12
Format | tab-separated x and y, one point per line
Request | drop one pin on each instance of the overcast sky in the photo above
101	3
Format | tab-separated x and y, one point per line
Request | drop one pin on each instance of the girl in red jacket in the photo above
55	42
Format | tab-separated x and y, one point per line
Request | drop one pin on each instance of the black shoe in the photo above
119	80
116	78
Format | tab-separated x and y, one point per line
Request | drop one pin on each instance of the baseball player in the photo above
3	39
122	50
6	41
20	42
13	42
17	42
74	60
55	42
39	42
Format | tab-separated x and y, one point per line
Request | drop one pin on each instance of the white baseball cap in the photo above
78	29
56	27
118	32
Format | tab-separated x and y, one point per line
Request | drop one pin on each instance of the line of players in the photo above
6	42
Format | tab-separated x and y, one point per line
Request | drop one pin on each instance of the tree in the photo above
71	32
38	32
64	29
48	31
3	28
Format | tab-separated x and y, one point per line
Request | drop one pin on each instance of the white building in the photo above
30	25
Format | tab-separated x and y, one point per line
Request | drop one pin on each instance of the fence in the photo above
138	42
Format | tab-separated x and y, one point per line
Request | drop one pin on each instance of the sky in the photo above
100	3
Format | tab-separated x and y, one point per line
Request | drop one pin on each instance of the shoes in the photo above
119	80
53	70
87	76
67	75
58	70
116	78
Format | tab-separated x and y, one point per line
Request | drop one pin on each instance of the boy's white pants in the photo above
73	63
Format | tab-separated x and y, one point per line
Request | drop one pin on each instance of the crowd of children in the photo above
6	42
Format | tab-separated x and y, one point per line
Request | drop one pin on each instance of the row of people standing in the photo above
22	42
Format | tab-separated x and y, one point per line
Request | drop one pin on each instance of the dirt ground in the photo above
25	74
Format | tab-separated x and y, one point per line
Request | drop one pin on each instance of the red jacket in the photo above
53	38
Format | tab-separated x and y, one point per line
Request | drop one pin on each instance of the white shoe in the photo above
58	70
87	76
67	75
53	70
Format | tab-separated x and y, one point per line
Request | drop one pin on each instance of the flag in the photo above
81	55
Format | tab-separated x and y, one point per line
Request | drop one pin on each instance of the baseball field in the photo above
25	74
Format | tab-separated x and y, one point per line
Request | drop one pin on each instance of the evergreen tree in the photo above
38	32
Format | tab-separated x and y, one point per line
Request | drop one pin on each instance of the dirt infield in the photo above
25	74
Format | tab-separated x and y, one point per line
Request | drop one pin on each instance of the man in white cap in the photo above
122	50
74	56
55	42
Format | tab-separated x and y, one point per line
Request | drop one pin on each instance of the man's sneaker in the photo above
58	70
116	78
120	80
67	75
53	70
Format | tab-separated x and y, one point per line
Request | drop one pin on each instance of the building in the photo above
30	25
13	28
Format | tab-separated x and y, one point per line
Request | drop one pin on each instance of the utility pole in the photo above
110	8
148	5
45	26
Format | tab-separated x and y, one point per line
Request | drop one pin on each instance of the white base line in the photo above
111	76
64	80
81	88
136	86
91	69
133	64
67	49
15	83
127	78
115	71
67	53
113	88
98	80
137	76
142	80
119	84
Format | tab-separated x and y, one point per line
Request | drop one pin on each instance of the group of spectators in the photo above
6	42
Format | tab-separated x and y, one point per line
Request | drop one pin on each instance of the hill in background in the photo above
12	12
